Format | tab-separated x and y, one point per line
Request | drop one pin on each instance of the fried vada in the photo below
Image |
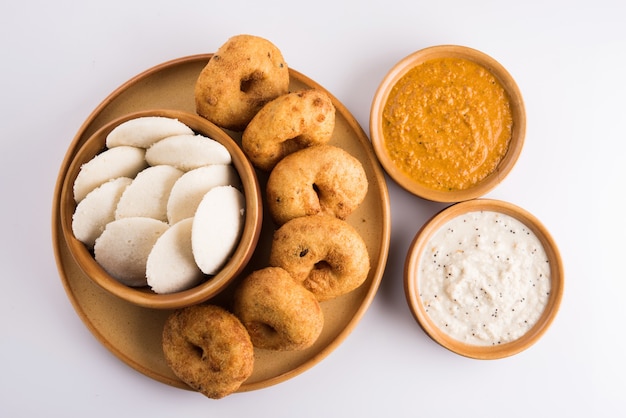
320	179
278	312
209	349
326	254
286	124
245	73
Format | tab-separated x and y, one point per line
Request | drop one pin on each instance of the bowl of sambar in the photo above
448	123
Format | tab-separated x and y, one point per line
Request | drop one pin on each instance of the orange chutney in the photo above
447	123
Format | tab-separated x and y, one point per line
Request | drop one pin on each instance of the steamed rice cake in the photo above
187	152
189	189
217	227
171	267
123	161
124	246
97	209
144	131
148	194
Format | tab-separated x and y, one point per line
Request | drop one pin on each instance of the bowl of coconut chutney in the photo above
484	279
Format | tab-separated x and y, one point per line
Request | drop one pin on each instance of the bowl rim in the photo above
517	107
414	256
144	297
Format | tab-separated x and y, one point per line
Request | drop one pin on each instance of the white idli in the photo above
97	209
189	190
171	266
187	152
145	131
148	194
124	246
217	227
123	161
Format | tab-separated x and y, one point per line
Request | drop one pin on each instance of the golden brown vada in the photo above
326	254
278	312
245	73
286	124
209	349
320	179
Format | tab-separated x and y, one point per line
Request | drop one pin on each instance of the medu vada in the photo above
286	124
209	349
326	254
245	73
278	312
320	179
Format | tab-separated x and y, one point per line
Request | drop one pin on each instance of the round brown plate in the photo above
133	333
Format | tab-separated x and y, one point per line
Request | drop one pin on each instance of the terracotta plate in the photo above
133	333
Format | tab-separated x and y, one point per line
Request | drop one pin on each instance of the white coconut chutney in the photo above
484	278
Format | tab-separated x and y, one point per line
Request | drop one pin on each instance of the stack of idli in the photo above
162	206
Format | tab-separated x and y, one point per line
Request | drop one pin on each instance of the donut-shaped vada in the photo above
278	312
286	124
209	349
245	73
327	255
320	179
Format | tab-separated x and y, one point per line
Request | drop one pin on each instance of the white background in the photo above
61	58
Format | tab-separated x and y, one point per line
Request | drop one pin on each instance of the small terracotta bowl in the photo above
505	164
460	293
144	296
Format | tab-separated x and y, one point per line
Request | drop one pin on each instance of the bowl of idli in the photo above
161	208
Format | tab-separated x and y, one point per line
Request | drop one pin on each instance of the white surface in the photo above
61	58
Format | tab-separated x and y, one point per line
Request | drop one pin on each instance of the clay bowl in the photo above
144	296
414	183
457	293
